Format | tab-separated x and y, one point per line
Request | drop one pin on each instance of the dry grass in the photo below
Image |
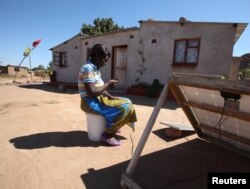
8	79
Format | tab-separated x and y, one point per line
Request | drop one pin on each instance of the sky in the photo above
55	21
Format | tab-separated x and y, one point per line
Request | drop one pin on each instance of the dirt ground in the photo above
44	145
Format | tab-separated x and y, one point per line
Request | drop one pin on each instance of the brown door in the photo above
119	66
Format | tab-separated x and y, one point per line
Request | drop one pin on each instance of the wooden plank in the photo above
180	99
228	111
127	182
233	86
146	132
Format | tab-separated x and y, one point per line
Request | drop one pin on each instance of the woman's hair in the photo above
99	50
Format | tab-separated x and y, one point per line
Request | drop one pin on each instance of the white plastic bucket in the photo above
95	125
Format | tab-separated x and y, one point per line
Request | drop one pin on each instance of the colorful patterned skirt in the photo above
117	113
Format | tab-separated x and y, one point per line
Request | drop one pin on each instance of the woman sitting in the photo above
117	111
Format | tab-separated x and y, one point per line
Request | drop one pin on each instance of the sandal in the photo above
111	141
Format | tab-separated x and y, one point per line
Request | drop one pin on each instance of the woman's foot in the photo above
110	139
118	131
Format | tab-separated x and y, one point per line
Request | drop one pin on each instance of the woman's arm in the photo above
94	91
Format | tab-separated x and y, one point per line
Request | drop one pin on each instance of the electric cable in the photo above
132	147
219	123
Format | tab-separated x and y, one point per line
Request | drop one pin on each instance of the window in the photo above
60	59
186	51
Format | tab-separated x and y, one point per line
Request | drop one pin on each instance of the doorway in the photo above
119	66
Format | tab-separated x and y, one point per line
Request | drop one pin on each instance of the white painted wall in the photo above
215	57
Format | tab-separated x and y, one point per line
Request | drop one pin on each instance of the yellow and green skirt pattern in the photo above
117	112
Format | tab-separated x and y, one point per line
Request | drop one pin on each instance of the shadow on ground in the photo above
48	88
139	100
58	139
182	166
148	101
160	133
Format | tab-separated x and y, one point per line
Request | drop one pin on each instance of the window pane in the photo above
193	43
56	58
180	51
192	55
64	58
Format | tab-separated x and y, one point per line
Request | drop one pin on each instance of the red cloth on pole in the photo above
35	43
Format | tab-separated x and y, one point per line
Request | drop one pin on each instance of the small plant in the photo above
244	73
141	69
154	89
52	76
223	77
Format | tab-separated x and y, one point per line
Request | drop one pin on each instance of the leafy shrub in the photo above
154	89
53	76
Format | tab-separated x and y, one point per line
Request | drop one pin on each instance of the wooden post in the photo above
31	81
145	135
14	80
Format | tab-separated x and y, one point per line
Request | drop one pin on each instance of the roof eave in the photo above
240	27
110	33
65	41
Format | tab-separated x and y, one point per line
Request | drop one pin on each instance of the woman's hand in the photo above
94	91
109	96
112	81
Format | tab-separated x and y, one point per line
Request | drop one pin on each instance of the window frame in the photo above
187	47
61	58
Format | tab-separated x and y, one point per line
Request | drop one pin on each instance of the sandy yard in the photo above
44	145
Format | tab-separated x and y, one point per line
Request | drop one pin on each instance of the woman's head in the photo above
99	55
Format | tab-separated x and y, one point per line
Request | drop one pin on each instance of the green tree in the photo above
39	67
101	25
49	67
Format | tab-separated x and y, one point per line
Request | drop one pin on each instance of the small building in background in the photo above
13	70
